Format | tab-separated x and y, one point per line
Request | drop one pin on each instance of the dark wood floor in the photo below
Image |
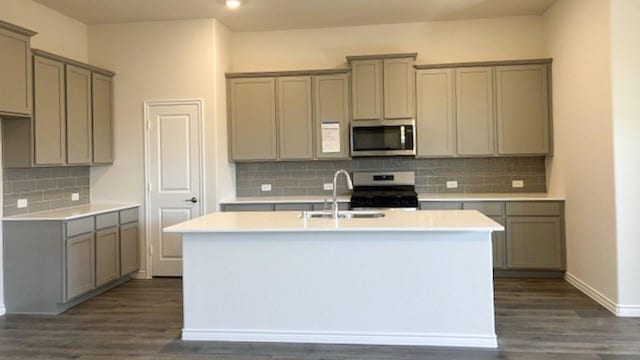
535	319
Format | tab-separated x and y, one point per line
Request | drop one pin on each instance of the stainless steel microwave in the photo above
383	137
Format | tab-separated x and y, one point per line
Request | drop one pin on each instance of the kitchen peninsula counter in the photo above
408	278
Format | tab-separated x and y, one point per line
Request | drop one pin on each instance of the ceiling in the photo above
261	15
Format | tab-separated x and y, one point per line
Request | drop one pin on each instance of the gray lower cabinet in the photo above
440	205
534	243
129	248
15	70
52	265
107	255
80	261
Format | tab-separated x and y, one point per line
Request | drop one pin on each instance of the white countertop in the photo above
70	213
290	221
421	197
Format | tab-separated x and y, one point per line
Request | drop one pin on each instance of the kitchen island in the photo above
407	278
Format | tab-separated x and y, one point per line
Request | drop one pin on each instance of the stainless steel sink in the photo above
344	214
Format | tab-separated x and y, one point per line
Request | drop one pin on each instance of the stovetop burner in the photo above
384	190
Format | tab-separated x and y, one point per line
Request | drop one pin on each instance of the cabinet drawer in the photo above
293	207
79	226
440	205
129	215
248	207
534	208
106	220
487	208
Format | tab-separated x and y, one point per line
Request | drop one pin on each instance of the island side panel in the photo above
413	288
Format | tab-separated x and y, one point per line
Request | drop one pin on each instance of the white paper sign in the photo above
330	137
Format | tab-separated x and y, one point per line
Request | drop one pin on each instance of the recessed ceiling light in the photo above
232	4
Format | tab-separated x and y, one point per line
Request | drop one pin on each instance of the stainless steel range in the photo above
384	190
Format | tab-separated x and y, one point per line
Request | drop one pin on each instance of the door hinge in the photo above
148	124
149	187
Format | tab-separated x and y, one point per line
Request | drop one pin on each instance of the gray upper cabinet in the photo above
475	111
366	87
435	122
522	109
295	118
253	118
399	88
79	118
331	104
15	70
102	100
49	117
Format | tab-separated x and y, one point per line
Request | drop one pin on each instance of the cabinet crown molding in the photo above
239	75
79	64
17	29
413	55
485	63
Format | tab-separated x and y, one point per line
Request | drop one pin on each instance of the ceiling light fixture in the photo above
233	4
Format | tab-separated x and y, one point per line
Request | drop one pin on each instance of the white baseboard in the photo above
142	274
628	310
617	309
3	310
461	340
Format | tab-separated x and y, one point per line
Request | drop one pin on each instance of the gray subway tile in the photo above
16	174
44	184
23	186
40	173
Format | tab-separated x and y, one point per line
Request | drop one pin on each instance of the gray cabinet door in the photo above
102	119
79	118
253	119
399	88
49	117
80	260
366	89
331	104
15	73
129	249
295	118
499	245
475	111
435	122
534	243
440	205
107	255
247	207
522	111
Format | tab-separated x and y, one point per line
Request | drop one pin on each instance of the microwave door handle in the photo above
402	136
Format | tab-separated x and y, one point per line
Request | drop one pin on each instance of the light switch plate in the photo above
22	203
75	196
452	184
327	186
517	183
265	187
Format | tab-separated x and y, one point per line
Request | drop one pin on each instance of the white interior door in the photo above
175	177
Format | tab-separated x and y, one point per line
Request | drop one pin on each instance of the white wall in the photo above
225	183
57	34
152	61
577	38
435	42
625	79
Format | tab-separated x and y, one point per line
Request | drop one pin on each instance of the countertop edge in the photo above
339	229
41	216
421	197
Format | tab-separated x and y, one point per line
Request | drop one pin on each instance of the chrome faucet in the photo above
334	209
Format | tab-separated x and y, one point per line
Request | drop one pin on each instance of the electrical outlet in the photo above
265	187
452	184
517	183
327	186
22	203
75	196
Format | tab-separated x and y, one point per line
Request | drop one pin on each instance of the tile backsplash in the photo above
44	188
474	175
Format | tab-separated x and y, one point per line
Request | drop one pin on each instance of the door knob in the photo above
193	200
